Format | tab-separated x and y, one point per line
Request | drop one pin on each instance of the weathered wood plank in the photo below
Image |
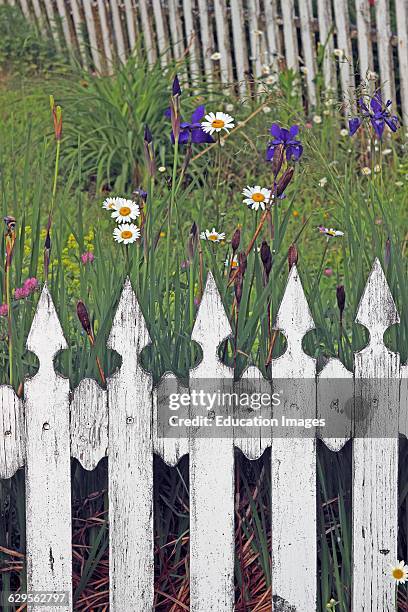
51	20
221	22
171	450
64	22
206	38
147	32
255	37
365	49
130	23
342	19
401	7
272	32
375	460
130	464
161	35
48	463
89	424
211	476
105	30
117	30
325	20
176	32
293	463
382	14
25	8
239	42
290	35
78	25
332	381
308	44
192	47
90	24
12	432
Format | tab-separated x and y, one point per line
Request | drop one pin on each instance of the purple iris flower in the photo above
293	147
378	114
191	131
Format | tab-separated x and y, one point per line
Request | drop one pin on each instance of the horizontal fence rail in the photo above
236	40
48	426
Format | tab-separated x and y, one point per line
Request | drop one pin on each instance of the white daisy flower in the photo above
330	233
317	119
215	122
323	182
126	233
111	203
125	210
338	53
366	170
256	197
216	56
344	132
212	236
400	572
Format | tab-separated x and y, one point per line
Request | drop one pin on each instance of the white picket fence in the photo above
252	37
47	427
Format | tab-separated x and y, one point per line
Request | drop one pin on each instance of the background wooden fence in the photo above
43	430
233	40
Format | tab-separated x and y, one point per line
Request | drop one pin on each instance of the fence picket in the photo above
25	9
325	19
239	43
89	424
365	49
341	15
78	25
130	463
223	38
105	35
12	447
51	20
176	31
293	463
130	23
272	32
306	17
117	29
160	31
63	17
385	49
211	476
375	460
401	8
147	31
255	38
290	35
191	37
90	24
48	463
206	38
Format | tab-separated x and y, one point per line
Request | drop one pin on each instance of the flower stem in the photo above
9	322
172	199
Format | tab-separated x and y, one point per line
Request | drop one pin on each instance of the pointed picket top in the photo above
294	319
211	327
46	337
377	310
129	325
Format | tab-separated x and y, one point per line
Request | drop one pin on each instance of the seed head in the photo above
292	256
236	239
83	317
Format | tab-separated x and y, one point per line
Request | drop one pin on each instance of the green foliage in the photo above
23	49
108	115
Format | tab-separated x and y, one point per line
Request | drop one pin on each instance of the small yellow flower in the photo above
162	234
295	213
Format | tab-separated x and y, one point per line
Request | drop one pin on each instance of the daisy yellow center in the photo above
124	211
213	237
218	123
258	197
397	573
126	234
